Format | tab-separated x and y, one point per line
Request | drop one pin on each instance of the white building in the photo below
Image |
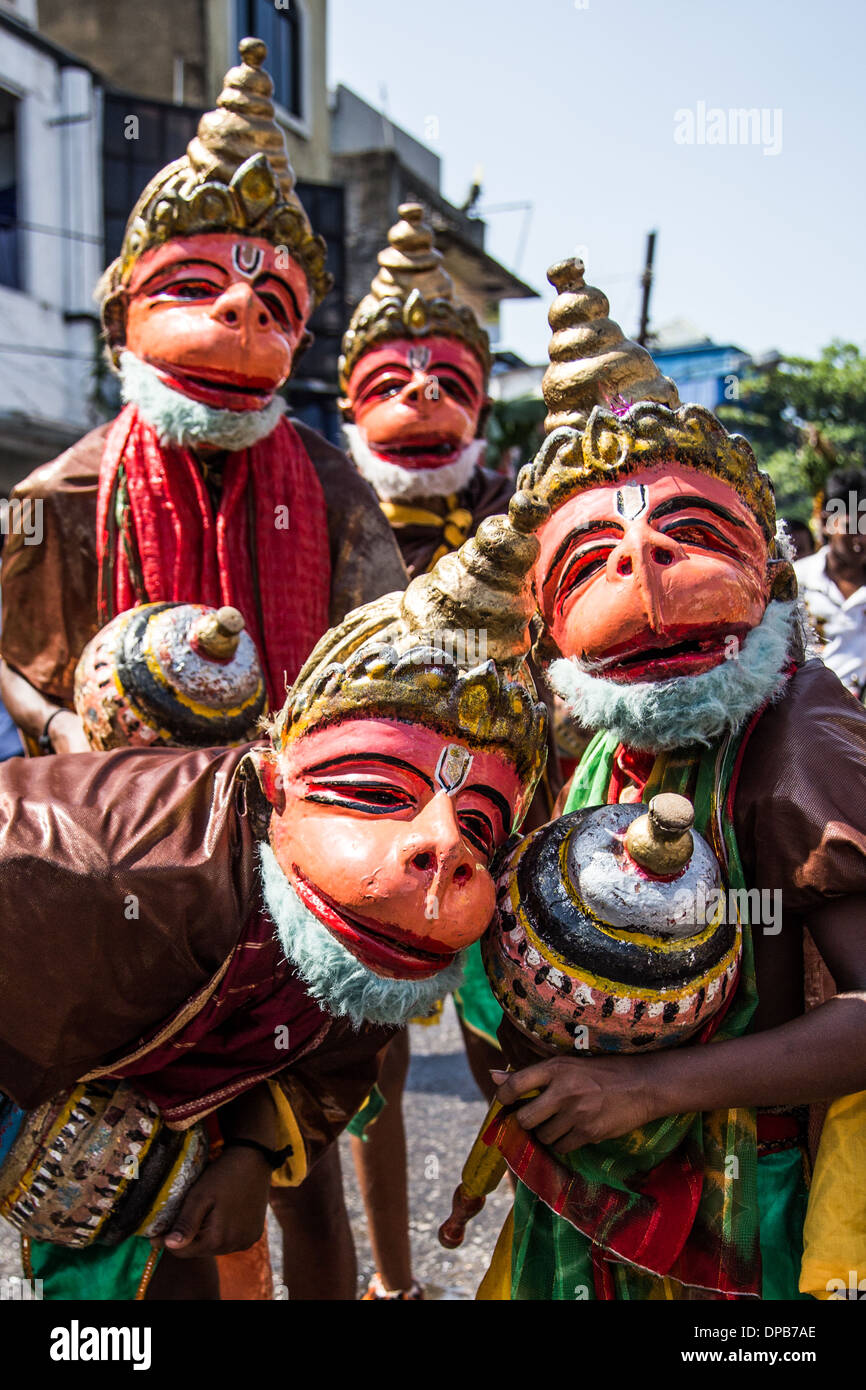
50	244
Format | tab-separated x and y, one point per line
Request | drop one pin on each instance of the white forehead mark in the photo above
246	259
419	357
631	500
453	768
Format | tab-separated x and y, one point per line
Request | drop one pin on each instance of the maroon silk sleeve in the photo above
49	588
800	807
125	880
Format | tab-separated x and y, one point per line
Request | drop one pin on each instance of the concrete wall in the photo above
135	44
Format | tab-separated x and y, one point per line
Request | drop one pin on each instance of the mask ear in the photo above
267	768
345	408
782	580
114	322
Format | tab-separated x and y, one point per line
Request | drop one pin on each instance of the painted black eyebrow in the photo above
182	265
684	503
375	372
369	757
566	544
440	368
498	800
283	285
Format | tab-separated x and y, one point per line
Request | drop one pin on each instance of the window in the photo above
10	270
280	24
138	139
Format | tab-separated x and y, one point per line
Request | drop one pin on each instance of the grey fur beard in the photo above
184	422
334	977
391	483
686	710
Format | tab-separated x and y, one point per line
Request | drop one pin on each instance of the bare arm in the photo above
31	710
815	1057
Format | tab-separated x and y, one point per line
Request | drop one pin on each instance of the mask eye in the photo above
189	289
360	795
277	310
383	388
454	388
700	535
478	830
579	570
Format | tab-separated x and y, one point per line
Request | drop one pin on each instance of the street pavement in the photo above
443	1112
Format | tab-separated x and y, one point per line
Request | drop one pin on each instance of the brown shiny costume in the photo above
50	590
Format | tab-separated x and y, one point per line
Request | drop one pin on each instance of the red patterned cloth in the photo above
257	1021
265	551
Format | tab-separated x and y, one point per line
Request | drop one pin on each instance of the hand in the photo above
580	1102
67	733
225	1210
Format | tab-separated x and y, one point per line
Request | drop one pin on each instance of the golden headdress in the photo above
611	413
234	177
449	653
411	296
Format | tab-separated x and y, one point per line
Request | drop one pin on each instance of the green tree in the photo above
804	419
515	430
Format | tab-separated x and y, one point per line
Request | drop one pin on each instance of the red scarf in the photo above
265	552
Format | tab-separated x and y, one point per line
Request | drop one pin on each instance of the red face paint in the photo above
417	401
386	846
219	317
658	575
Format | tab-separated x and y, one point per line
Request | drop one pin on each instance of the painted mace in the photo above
612	931
170	674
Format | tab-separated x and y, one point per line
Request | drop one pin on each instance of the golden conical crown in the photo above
611	412
412	295
449	653
592	362
234	177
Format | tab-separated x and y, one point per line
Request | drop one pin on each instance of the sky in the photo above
600	113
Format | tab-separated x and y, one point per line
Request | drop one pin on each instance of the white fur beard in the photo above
661	715
391	483
180	420
334	977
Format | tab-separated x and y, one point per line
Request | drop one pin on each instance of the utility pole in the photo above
647	282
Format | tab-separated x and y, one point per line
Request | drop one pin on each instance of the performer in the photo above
414	373
364	833
832	580
201	489
671	620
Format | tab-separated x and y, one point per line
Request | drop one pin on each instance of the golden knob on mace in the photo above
217	635
661	840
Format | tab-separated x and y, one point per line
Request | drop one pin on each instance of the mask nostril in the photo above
422	861
662	557
623	565
263	320
463	874
231	316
